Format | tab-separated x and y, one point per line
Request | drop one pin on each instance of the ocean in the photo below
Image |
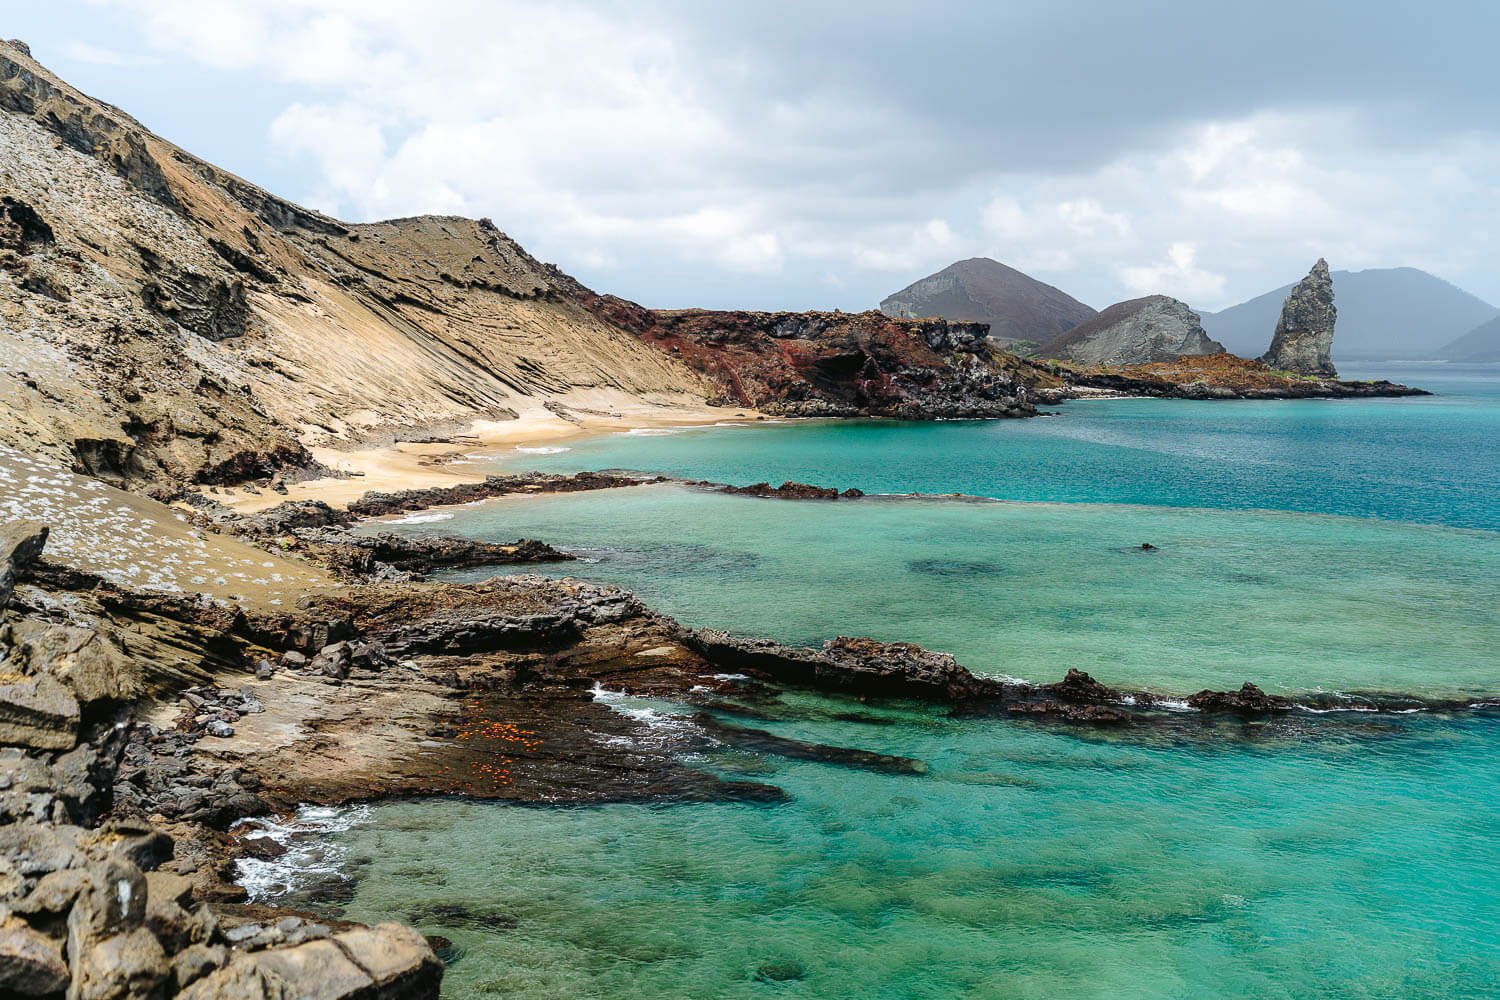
1308	546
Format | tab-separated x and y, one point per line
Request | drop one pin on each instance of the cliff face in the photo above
161	319
1303	341
1139	331
1016	306
842	364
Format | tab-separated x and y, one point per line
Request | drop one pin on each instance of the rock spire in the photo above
1304	334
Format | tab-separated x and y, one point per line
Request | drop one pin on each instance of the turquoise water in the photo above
1030	863
1432	459
1348	545
1294	602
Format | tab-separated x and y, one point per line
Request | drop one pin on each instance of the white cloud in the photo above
612	138
98	55
1179	276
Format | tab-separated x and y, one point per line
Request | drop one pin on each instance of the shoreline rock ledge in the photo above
1303	341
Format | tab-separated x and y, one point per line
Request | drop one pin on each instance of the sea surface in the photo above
1308	546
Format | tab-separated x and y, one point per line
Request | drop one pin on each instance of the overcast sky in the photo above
824	154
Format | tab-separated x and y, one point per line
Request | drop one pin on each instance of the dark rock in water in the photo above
1303	341
1081	688
954	567
790	490
1249	700
763	742
264	848
376	504
1068	712
1148	547
780	972
857	666
456	915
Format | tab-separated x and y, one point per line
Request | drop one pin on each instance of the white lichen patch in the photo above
136	542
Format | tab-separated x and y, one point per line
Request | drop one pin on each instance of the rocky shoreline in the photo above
1223	376
142	730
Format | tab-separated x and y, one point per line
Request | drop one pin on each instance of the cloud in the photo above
1179	276
713	153
98	55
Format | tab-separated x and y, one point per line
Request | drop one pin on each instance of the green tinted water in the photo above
1291	601
1029	864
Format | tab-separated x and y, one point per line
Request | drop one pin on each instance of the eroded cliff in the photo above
161	319
1139	331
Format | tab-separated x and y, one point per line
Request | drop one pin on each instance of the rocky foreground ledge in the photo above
140	730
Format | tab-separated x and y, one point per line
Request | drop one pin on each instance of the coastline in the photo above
402	465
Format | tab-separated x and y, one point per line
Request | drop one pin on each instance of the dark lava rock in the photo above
780	972
790	490
263	848
1249	700
1080	688
763	742
456	915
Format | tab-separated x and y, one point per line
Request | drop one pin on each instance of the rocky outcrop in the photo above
788	490
1221	376
1303	341
840	364
1016	307
98	906
378	504
163	321
1140	331
313	530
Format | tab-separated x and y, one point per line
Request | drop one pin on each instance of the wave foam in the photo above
421	518
309	851
546	449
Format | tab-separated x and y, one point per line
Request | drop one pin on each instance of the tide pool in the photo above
1311	862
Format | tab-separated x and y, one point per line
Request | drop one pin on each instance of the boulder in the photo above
1249	700
1303	341
132	964
30	965
387	961
20	543
37	712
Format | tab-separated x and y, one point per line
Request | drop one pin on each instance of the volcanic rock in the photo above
1303	342
1249	700
1139	331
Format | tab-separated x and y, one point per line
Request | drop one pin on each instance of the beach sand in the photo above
410	465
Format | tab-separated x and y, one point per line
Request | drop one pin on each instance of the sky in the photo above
798	155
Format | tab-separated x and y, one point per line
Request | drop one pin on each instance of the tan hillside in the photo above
161	319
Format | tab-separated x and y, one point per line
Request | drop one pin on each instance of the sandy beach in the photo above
411	465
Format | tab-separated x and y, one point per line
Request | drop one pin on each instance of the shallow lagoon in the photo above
1330	856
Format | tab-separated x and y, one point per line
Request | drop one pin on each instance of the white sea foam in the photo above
655	431
309	851
545	449
422	518
664	727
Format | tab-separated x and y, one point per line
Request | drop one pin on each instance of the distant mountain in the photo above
1015	305
1384	314
1480	344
